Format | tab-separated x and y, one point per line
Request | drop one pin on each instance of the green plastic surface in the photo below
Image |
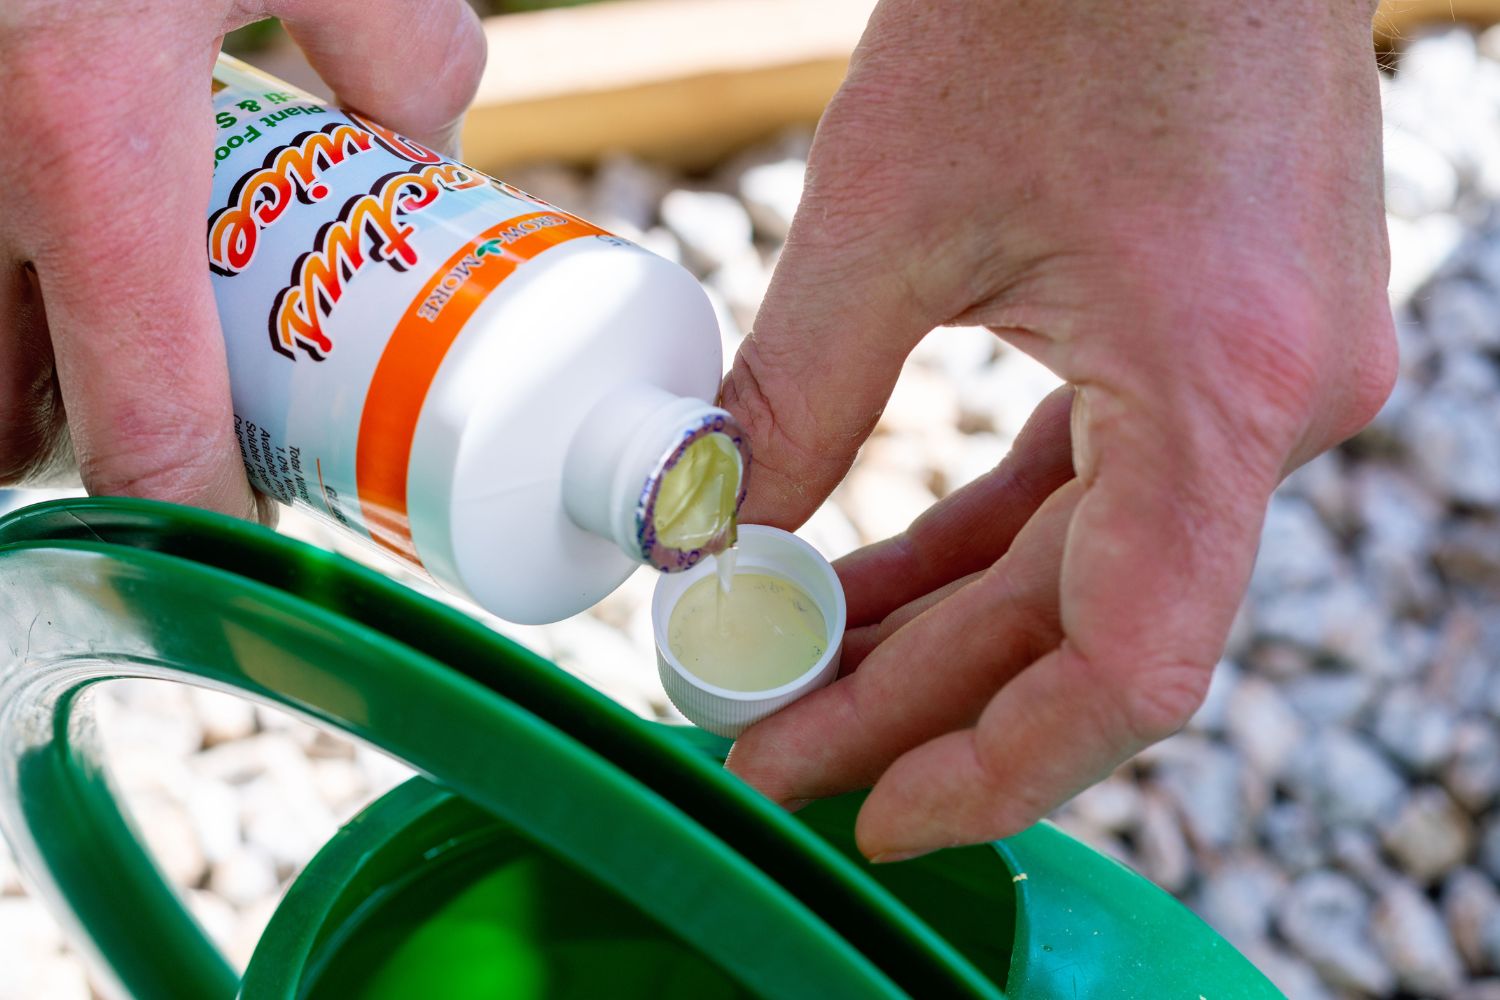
86	612
841	893
424	894
1084	926
573	798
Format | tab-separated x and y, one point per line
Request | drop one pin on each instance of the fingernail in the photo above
792	805
890	856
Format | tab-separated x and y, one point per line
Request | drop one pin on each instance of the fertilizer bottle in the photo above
490	388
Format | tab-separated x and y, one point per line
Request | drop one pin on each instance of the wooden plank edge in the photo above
678	81
1397	20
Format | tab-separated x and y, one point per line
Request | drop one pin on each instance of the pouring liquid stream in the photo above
724	566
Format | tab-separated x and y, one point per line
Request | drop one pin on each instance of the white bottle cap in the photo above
761	549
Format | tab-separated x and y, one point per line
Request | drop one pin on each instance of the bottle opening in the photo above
688	504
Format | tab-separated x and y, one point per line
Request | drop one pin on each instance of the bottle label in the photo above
346	259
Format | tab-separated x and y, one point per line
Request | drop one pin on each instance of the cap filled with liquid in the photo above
744	634
752	632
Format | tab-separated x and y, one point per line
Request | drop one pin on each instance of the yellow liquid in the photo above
760	635
695	504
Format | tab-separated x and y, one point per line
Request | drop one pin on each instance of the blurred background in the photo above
1333	809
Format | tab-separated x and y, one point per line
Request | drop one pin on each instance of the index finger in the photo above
115	231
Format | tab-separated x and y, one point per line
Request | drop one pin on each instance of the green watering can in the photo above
555	846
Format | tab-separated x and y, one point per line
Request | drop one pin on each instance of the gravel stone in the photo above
1341	622
1357	851
1416	730
1290	974
1489	846
214	914
1206	788
1294	837
1456	445
1479	989
1470	904
244	877
1213	714
1414	941
1263	726
742	281
627	190
1469	552
559	185
167	829
1161	847
1395	509
1113	805
1460	315
1296	551
1472	775
957	352
1430	836
1418	250
1419	180
1329	698
1019	384
1238	898
713	227
1277	660
212	808
1346	779
921	403
771	193
224	717
1325	918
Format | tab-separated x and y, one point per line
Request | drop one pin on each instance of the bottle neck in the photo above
660	475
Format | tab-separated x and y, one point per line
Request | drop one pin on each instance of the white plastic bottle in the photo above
475	380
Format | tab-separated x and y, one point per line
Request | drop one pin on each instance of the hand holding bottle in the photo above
110	349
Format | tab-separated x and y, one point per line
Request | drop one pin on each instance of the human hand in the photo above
1174	207
110	348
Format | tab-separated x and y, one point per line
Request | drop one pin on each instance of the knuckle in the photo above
162	453
62	174
140	472
468	50
856	184
1303	376
1158	701
448	40
1268	365
1278	387
745	394
1376	366
994	762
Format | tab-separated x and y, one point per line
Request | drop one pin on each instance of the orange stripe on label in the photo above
416	349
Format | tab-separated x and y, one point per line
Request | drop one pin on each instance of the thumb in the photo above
412	65
838	320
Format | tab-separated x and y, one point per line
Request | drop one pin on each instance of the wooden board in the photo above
1398	19
688	81
683	81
